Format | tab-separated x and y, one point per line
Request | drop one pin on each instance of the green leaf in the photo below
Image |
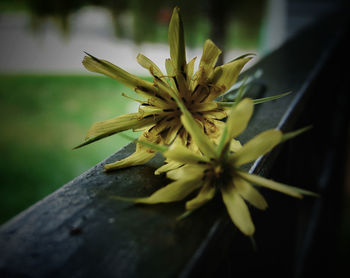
256	75
292	134
223	104
184	215
243	56
242	90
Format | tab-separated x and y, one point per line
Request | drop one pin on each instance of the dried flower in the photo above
159	114
217	169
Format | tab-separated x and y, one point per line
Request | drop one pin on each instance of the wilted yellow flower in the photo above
217	169
159	116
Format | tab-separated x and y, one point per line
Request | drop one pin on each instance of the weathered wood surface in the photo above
79	231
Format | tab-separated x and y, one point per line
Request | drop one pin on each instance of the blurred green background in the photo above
42	117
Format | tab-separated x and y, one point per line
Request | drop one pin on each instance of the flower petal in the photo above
210	55
217	114
208	61
148	64
203	107
173	192
239	117
104	129
236	123
235	145
249	193
188	170
140	156
171	73
177	41
225	76
205	194
256	147
180	153
170	165
197	134
283	188
189	69
94	64
292	134
173	131
238	210
147	146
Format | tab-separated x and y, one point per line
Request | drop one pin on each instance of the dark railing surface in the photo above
79	231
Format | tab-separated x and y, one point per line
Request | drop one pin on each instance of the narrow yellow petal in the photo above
158	102
148	64
170	165
189	70
238	210
164	90
140	156
148	144
256	147
205	194
177	41
94	64
188	170
249	193
198	136
171	73
216	137
235	145
283	188
175	191
236	123
180	153
217	114
225	76
210	55
208	61
239	117
215	132
171	134
104	129
203	107
150	110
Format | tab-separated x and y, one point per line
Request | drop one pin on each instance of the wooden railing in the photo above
79	231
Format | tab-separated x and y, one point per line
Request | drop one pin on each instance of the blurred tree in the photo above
228	23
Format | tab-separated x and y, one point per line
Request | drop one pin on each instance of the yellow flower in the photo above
217	169
159	116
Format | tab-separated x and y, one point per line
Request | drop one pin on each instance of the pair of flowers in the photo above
180	112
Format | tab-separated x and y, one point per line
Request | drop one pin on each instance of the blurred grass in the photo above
42	117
